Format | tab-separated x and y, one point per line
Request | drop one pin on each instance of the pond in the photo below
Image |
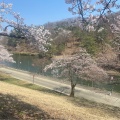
27	63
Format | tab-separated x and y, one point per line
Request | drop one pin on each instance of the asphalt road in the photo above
61	87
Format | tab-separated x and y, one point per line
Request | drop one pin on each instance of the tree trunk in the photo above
72	90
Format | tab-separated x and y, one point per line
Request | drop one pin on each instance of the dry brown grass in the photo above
54	106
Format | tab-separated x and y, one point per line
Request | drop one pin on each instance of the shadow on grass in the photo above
112	111
14	109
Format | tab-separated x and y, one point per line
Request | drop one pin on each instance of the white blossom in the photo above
98	8
39	36
100	29
81	64
4	55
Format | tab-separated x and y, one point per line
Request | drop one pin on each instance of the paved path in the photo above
63	88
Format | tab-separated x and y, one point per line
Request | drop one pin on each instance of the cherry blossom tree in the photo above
92	11
95	14
39	36
75	67
81	65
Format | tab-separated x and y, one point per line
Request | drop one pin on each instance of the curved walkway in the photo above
63	88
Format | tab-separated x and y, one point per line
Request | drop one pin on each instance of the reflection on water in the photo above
24	63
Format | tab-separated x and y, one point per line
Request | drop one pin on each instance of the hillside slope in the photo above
56	107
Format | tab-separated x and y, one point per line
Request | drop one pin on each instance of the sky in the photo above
38	12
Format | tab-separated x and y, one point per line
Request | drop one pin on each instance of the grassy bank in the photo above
23	100
6	78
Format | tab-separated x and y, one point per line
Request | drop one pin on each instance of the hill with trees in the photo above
67	36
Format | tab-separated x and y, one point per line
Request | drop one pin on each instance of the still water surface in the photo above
24	63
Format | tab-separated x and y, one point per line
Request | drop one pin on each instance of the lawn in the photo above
26	101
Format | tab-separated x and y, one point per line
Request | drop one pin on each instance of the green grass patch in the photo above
111	110
6	78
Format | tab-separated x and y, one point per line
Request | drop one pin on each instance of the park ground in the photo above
23	100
